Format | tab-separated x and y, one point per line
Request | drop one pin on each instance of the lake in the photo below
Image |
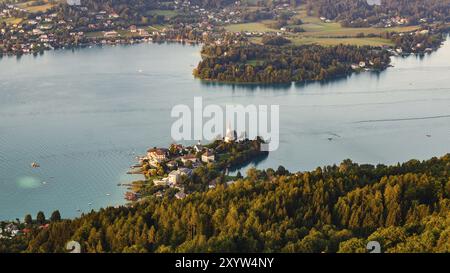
84	115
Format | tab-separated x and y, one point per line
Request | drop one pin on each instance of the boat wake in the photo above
402	119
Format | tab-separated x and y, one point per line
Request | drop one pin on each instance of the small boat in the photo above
35	165
90	204
44	182
108	194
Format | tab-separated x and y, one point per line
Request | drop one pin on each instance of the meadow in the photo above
323	33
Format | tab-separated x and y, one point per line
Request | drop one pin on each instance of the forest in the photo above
271	63
339	208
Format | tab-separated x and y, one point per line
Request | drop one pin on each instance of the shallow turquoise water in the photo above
84	115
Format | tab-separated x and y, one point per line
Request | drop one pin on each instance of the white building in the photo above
231	135
175	177
185	159
161	182
208	157
74	2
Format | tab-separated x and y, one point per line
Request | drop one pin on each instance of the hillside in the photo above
332	209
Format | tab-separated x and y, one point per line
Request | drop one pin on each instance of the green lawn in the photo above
251	27
166	13
28	5
299	40
319	32
11	21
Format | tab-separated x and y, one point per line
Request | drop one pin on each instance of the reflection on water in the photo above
84	115
28	182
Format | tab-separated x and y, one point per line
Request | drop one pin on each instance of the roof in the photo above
208	153
189	156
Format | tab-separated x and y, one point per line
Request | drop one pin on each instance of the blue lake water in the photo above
84	115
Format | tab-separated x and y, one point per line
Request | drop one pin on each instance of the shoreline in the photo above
180	170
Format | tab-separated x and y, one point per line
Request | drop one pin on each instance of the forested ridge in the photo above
340	208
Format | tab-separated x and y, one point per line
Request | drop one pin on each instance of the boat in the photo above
35	165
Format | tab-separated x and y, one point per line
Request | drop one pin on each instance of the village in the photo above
71	25
186	169
177	21
11	230
52	29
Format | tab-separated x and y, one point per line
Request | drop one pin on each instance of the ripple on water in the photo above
28	182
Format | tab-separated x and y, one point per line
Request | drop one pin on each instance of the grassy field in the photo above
11	21
319	32
124	33
317	28
299	40
166	13
28	6
262	26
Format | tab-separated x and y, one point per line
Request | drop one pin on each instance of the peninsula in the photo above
243	42
180	170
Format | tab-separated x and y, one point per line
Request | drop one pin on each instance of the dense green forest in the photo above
275	64
340	208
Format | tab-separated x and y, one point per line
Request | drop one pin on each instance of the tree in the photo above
354	245
40	218
28	219
56	216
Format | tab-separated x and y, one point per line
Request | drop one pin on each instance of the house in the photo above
177	147
37	31
185	171
208	156
133	29
10	231
161	182
172	164
110	34
158	154
180	195
131	196
362	64
212	184
189	158
175	177
143	32
198	147
74	2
